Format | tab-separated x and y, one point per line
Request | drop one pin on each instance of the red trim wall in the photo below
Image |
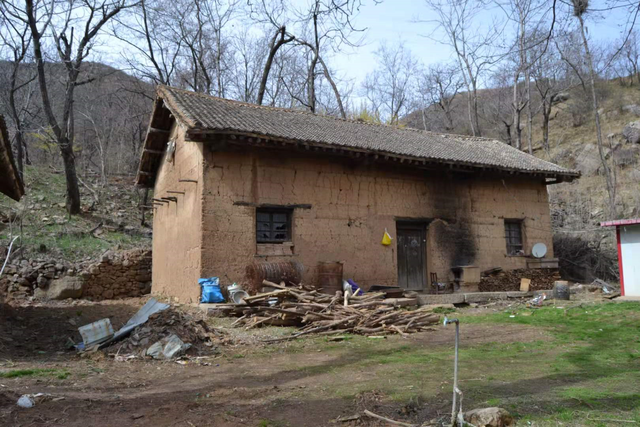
620	261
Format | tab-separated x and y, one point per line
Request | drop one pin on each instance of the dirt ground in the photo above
311	382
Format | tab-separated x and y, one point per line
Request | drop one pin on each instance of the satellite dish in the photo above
539	250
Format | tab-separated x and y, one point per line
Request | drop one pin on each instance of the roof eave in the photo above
255	138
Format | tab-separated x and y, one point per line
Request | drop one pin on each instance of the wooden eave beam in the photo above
261	140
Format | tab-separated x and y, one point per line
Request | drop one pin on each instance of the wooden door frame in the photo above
419	225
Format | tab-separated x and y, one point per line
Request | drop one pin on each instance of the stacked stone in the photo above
118	275
26	275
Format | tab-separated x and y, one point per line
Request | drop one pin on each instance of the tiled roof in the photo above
204	113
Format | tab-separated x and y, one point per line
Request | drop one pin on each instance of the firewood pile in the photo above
317	313
504	281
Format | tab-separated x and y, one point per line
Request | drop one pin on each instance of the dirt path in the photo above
308	383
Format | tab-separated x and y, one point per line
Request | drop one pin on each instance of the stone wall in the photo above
118	275
22	276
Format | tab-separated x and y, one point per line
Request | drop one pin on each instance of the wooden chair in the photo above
435	284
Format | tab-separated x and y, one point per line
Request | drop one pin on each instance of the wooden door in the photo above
411	256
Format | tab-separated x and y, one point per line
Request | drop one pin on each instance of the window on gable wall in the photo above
513	235
273	225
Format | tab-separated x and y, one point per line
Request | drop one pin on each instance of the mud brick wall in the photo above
118	275
343	209
177	231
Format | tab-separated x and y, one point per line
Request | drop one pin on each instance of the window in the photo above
273	225
513	235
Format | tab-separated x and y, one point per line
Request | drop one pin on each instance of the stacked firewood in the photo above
317	313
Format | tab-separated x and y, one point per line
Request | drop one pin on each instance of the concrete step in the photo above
475	297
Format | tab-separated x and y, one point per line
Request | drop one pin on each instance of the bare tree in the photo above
389	87
156	58
472	47
438	86
15	36
551	78
61	20
579	9
499	102
631	57
326	27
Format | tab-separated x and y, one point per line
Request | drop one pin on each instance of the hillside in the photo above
111	218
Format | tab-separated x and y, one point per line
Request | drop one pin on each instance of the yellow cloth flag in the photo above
386	238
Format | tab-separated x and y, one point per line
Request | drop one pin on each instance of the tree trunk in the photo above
275	45
611	190
546	115
73	191
515	105
476	117
529	111
334	87
16	121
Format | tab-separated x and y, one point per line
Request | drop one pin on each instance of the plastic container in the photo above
561	290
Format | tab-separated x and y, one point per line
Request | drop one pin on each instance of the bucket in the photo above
561	290
330	277
236	293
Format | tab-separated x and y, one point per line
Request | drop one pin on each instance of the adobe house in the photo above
236	183
10	181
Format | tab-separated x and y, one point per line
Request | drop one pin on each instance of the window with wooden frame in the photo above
273	225
513	235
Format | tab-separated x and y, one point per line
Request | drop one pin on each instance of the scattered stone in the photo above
489	417
632	132
632	108
67	287
42	282
588	161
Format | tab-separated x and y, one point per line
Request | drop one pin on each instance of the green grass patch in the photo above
36	372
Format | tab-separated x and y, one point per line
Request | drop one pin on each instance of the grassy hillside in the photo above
111	218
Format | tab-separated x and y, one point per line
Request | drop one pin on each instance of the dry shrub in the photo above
583	260
626	157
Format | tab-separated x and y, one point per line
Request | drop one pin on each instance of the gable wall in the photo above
177	227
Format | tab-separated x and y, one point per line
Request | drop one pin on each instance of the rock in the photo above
489	417
561	97
67	287
588	161
40	294
632	108
632	132
42	282
634	175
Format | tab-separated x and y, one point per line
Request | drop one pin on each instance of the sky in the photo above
395	20
409	21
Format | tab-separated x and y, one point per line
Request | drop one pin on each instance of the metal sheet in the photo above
151	307
96	332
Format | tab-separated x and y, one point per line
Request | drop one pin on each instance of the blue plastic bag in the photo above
210	290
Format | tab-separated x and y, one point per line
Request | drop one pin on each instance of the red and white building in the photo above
628	236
